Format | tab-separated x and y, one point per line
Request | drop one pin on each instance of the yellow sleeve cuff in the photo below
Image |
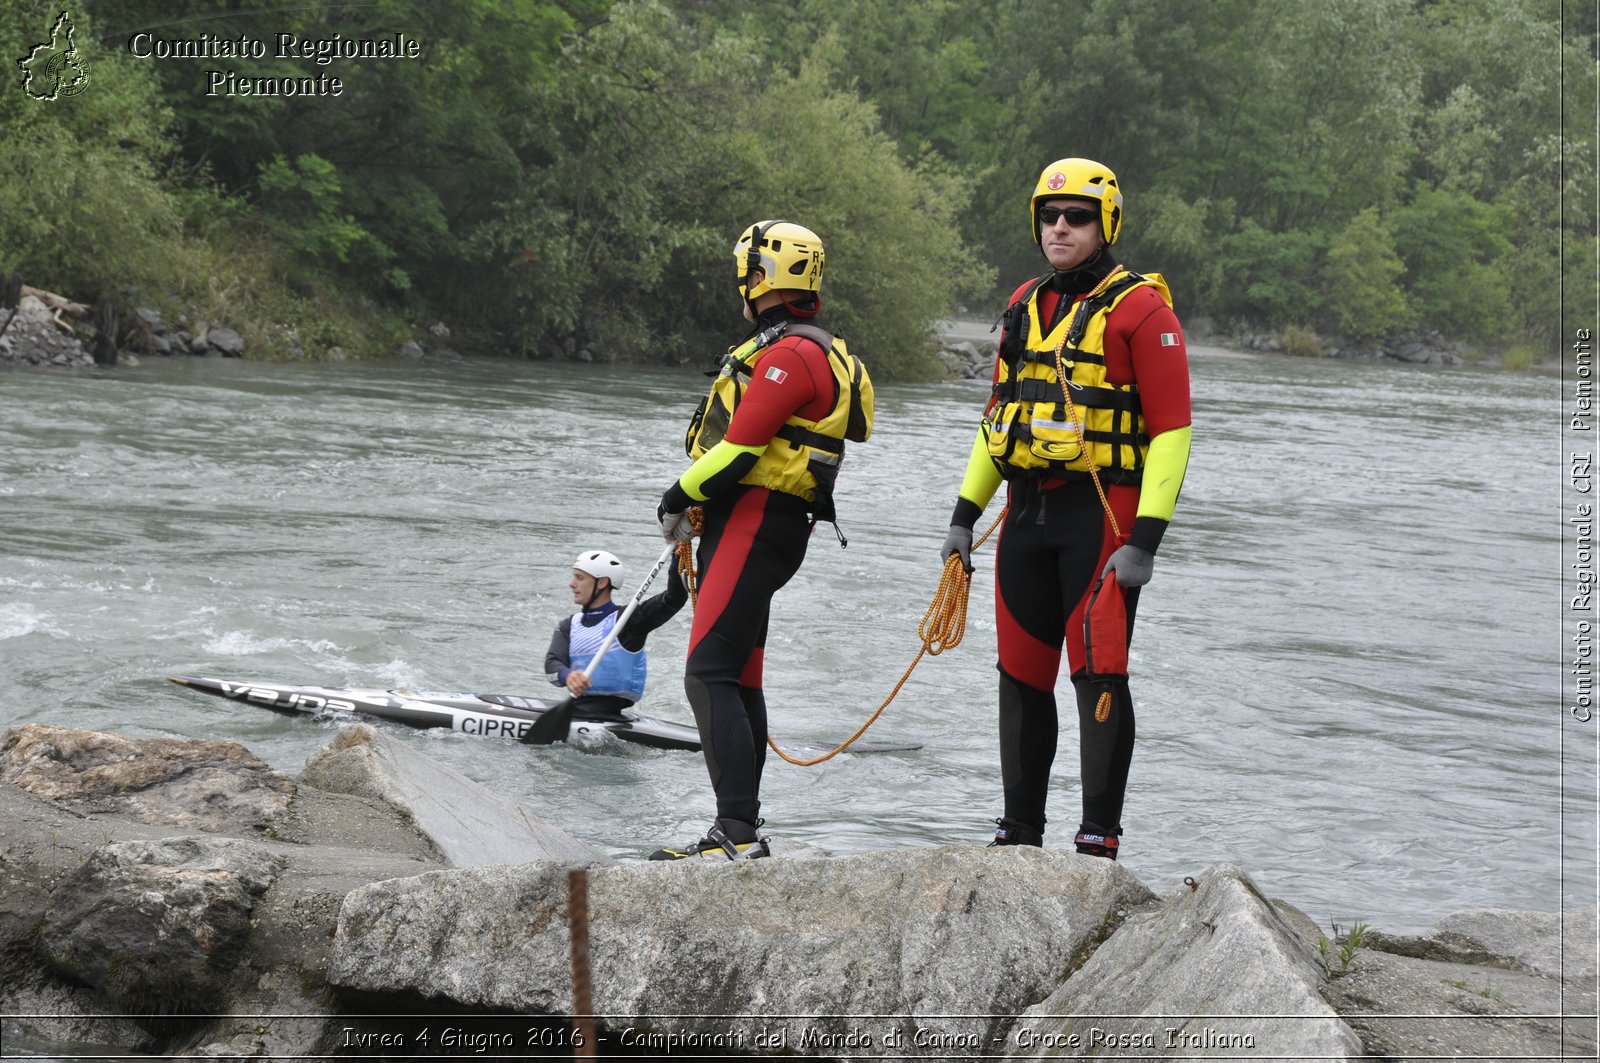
1164	467
714	461
982	478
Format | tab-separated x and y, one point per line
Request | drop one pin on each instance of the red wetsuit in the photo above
1052	548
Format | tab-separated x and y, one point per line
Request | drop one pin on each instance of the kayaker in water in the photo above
1115	336
619	681
766	445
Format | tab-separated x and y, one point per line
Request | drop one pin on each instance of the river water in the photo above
1347	669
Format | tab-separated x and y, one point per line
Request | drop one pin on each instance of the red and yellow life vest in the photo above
1030	426
803	453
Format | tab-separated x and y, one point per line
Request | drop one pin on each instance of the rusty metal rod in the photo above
582	995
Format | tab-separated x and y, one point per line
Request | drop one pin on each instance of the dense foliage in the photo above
572	172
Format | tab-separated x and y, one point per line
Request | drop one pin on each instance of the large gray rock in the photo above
191	784
229	342
1485	983
1551	943
158	926
468	823
946	943
1216	972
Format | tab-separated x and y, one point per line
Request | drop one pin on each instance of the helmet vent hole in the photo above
799	267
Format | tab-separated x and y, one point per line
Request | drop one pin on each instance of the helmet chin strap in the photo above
752	263
597	592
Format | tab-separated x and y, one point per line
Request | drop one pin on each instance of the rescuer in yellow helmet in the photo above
1122	420
766	444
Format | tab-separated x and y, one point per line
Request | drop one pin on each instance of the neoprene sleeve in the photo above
1164	467
980	481
716	470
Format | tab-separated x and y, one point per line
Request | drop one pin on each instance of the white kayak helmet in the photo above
598	563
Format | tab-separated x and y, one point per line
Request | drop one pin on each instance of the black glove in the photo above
1132	564
958	541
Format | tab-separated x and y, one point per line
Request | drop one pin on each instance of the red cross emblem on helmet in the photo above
1057	180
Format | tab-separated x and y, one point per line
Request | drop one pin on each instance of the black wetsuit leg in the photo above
752	543
1050	553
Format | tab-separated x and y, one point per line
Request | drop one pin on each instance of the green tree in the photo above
1270	275
1553	245
1361	294
666	140
83	206
1454	247
421	150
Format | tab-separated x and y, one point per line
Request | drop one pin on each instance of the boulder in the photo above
468	823
943	945
1485	983
410	349
1216	972
159	925
50	1018
32	306
229	342
191	784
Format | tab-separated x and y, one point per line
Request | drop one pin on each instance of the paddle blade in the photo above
551	727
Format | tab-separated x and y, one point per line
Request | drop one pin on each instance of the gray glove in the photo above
675	527
958	541
1132	565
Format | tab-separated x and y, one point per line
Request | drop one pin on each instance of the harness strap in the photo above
804	437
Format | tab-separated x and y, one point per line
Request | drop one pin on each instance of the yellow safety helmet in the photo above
790	255
1080	179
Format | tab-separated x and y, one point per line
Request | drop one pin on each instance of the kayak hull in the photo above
506	716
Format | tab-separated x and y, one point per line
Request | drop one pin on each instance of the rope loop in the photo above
942	628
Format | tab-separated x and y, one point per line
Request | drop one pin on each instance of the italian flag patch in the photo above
776	375
1169	339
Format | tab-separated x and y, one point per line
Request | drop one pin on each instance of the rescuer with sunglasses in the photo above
1092	473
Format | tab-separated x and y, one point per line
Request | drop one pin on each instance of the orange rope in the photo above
948	615
1102	706
1077	422
697	520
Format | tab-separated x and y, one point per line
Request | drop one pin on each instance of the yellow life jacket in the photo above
1030	428
803	457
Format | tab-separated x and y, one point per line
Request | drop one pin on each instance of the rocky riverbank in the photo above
967	348
181	897
50	331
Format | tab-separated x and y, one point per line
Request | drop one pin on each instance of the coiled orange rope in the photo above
942	627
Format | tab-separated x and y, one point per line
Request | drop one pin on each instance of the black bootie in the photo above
1096	841
1016	832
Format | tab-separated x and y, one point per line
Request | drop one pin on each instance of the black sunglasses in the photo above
1077	217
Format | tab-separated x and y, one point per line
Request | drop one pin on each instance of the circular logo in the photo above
1056	181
